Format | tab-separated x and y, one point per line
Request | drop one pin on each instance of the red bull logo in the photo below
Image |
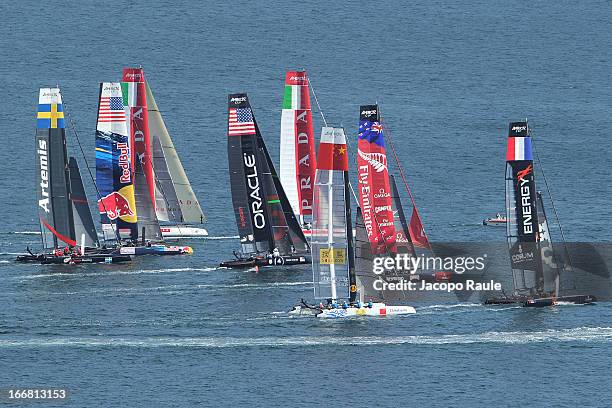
115	205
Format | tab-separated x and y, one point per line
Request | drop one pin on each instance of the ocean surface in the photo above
179	331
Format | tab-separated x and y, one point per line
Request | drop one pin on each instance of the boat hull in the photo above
512	300
85	259
176	232
377	310
550	301
276	261
156	250
494	222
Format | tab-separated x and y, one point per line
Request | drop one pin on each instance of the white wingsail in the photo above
297	153
175	200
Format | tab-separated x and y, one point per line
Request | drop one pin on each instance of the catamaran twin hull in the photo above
275	261
46	259
176	232
377	310
156	250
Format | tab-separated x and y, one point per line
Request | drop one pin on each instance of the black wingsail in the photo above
550	261
54	208
288	235
402	234
83	221
147	219
522	213
364	262
246	178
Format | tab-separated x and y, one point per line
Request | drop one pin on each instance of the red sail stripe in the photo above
57	234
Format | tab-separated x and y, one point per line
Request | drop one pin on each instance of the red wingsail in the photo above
138	123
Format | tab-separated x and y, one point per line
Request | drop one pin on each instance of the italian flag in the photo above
296	91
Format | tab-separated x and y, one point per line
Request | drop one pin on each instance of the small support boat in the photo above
497	220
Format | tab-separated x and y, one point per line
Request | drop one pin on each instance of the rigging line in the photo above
401	170
317	101
552	202
93	180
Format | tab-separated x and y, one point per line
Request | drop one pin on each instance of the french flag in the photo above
519	148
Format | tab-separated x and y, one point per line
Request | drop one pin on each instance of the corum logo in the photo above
238	100
519	128
524	173
297	78
378	161
368	112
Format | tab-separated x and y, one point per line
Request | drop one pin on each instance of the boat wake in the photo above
111	273
220	238
580	334
174	289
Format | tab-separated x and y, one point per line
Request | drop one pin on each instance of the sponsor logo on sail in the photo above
378	161
366	206
382	194
43	158
133	75
124	163
237	101
526	203
519	128
382	208
257	210
368	112
115	205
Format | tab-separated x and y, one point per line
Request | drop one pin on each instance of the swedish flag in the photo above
50	116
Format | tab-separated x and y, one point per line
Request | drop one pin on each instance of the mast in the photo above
522	214
297	147
175	199
331	239
53	188
373	176
114	171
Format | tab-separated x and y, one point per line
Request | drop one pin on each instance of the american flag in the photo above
111	109
241	122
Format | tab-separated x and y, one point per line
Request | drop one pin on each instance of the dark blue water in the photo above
449	77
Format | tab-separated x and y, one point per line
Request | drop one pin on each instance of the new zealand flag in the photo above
372	132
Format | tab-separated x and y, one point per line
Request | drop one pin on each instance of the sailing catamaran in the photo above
64	214
269	232
536	269
297	148
126	209
335	272
176	207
